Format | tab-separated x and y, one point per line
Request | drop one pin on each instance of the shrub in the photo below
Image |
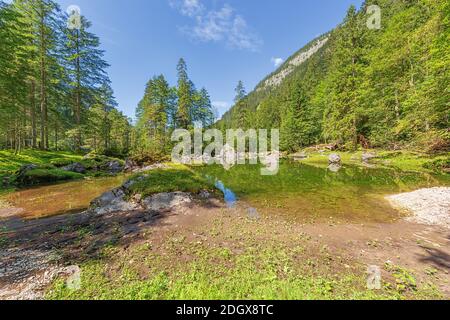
438	165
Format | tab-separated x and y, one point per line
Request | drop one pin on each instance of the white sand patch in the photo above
427	206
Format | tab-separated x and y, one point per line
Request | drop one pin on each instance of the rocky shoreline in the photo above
425	206
40	251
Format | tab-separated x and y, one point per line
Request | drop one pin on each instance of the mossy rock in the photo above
59	163
99	163
41	175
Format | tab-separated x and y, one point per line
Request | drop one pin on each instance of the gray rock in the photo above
204	194
127	185
137	198
150	168
117	206
108	197
25	168
75	167
335	159
20	175
112	201
130	165
166	201
114	167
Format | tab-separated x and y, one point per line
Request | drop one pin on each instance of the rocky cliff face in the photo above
295	61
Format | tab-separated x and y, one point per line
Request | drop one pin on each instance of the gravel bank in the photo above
427	206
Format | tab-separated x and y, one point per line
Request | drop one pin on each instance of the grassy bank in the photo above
49	166
11	162
402	160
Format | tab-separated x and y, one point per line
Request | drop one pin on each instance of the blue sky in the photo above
222	41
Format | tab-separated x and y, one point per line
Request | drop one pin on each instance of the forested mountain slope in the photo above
386	87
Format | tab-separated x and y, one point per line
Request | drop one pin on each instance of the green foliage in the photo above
52	82
371	88
404	279
59	163
164	108
439	164
240	92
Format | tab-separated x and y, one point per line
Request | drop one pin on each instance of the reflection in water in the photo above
229	196
334	168
68	197
308	193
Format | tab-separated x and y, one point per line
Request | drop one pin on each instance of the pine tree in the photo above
342	116
296	127
86	69
240	92
185	97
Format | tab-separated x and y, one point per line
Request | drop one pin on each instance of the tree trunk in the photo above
56	136
43	89
33	114
78	94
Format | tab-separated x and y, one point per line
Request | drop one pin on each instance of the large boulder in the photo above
75	167
335	159
111	202
25	168
167	201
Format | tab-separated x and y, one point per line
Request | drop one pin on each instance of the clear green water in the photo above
309	193
62	198
300	192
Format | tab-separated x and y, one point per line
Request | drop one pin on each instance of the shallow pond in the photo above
62	198
301	192
308	193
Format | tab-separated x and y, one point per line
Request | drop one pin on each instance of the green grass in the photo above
175	178
411	161
11	162
402	160
259	273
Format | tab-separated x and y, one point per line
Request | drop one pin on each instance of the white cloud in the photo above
223	25
277	62
189	8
